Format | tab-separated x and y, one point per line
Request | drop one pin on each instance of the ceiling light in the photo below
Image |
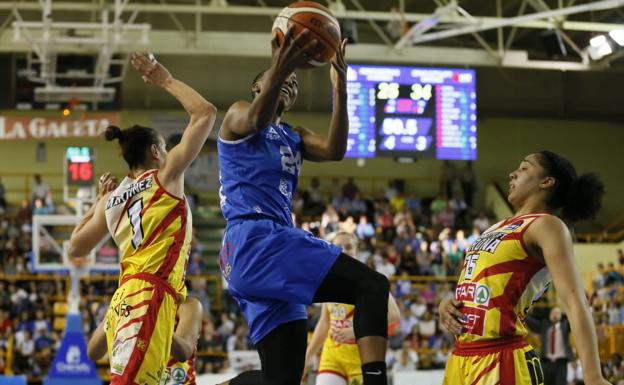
618	36
599	47
597	41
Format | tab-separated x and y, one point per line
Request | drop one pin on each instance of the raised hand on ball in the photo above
292	52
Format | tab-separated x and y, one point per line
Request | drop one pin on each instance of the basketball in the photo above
322	24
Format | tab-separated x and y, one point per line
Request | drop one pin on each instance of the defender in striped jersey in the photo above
340	362
148	217
510	266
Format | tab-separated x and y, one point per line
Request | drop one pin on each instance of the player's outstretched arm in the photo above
550	236
202	115
318	337
333	147
92	227
243	118
187	332
96	348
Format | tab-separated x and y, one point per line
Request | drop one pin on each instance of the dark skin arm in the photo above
243	118
318	148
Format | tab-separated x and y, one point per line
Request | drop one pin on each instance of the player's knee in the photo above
378	284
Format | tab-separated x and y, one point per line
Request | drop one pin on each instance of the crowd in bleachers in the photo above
401	235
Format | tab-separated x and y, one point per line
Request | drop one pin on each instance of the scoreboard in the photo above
411	112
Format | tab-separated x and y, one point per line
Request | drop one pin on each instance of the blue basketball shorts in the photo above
273	271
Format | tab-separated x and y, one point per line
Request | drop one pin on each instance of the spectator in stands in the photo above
227	326
348	226
556	349
460	209
364	229
438	205
614	369
25	213
386	267
391	190
298	203
40	208
445	219
614	311
448	178
481	222
40	325
454	259
408	260
239	340
424	259
398	202
25	353
329	221
350	189
358	205
427	330
468	183
575	373
385	221
407	360
612	275
40	189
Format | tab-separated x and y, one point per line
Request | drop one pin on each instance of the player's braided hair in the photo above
578	197
134	142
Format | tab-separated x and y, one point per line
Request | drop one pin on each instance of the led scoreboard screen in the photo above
411	112
79	166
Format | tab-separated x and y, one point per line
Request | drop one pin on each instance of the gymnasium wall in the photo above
592	146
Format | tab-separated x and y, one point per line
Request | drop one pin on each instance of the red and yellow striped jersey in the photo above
152	229
181	373
499	282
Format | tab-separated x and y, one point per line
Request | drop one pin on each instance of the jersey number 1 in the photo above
134	214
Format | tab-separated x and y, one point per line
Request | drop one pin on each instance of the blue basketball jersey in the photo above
259	174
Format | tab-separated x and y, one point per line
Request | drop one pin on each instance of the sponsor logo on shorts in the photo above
123	309
178	374
473	320
473	292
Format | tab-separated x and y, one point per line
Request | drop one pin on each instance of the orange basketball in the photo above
322	24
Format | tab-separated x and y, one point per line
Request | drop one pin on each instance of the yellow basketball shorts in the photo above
343	361
139	327
510	361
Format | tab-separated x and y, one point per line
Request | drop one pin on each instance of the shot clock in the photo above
79	166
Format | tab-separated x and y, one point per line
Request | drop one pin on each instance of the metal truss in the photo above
448	21
44	40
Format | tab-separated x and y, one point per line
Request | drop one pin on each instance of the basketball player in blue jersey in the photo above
273	268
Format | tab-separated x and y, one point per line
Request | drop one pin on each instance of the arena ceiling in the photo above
220	44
